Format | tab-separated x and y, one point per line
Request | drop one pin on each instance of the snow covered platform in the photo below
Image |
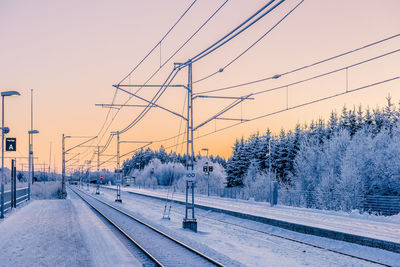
368	230
59	233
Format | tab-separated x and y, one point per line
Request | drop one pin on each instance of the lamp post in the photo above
30	160
4	131
64	193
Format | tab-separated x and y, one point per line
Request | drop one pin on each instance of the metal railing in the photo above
373	204
11	201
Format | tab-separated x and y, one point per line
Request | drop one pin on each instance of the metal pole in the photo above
190	223
190	74
13	184
2	158
98	158
32	162
63	167
270	156
50	159
30	167
31	109
208	179
208	176
118	156
270	169
119	180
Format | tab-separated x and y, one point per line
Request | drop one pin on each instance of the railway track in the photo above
296	241
160	247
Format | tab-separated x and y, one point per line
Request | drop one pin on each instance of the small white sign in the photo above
190	176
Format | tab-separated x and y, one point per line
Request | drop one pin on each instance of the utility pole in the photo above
32	132
31	158
118	156
189	221
118	172
49	159
64	193
98	158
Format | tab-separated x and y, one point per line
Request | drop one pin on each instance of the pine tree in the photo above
352	122
232	166
344	123
333	124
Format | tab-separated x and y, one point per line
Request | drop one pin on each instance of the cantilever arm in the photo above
72	157
150	103
87	141
233	104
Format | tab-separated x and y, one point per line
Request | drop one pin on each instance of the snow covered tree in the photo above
331	162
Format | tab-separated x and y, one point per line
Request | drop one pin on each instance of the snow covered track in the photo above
163	249
300	242
289	225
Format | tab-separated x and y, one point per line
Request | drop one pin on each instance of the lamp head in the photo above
5	130
10	93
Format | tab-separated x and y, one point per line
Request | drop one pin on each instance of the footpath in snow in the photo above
377	227
59	233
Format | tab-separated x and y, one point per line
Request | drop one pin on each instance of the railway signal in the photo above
207	169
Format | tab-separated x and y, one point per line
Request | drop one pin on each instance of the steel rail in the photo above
215	262
290	239
120	230
296	241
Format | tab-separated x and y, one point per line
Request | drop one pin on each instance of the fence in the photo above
12	200
14	196
234	192
381	205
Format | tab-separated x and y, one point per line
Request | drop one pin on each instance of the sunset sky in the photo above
72	52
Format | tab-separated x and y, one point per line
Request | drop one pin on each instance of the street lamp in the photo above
4	131
30	160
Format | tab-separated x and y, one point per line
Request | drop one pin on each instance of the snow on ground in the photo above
59	233
379	227
247	246
103	246
7	186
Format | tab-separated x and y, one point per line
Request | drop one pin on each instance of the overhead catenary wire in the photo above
251	46
170	57
136	67
287	108
312	78
158	43
295	107
228	37
300	68
327	73
159	93
212	48
209	50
